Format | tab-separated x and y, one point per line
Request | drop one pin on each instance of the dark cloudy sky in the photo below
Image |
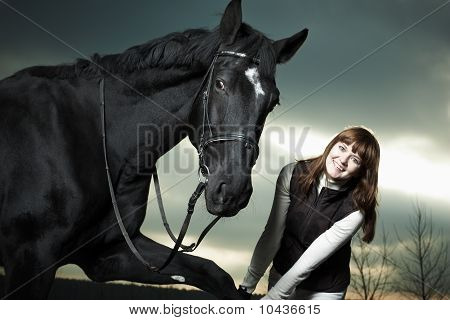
390	61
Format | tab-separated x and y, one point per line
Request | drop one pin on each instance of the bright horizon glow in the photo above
409	164
412	165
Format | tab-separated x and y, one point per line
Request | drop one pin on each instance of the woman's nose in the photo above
344	159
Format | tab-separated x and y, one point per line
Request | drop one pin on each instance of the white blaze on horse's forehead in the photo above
178	278
253	76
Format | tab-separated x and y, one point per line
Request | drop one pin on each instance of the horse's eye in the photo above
220	85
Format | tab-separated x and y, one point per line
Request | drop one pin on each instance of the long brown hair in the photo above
366	182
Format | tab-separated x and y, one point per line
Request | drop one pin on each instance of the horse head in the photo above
237	94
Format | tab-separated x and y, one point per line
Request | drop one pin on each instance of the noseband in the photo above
249	142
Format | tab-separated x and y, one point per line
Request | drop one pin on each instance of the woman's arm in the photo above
269	242
321	248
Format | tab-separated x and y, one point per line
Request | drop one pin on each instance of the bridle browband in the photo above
203	168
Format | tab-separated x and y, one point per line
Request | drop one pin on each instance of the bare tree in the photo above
370	272
423	268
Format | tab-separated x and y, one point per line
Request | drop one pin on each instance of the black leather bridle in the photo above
206	141
203	168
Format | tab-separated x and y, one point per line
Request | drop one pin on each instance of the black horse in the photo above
55	206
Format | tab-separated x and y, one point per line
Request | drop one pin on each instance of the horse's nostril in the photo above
222	188
221	193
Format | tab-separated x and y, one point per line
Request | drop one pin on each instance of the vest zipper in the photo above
310	212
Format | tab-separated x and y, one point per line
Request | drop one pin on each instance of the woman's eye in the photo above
341	148
356	161
220	85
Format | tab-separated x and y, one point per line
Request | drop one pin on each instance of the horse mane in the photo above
191	48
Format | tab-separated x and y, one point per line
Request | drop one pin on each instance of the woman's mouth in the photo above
340	168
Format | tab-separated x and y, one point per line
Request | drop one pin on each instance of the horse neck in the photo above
151	110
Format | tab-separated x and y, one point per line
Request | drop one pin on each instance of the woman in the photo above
319	205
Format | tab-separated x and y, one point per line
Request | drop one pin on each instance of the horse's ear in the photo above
286	48
231	22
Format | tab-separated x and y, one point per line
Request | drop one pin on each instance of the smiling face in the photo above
342	163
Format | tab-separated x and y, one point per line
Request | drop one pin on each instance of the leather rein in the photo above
203	170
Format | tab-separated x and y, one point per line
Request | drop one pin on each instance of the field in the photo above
68	289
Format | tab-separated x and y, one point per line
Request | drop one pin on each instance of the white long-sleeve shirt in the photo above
319	250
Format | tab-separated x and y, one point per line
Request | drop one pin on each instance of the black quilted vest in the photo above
307	218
